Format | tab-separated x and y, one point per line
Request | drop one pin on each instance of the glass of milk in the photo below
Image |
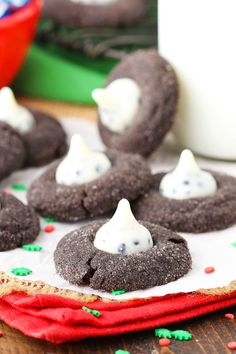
198	37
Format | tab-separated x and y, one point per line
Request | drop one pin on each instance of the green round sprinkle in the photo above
162	333
21	271
120	351
32	248
19	187
50	220
181	335
233	244
118	292
93	312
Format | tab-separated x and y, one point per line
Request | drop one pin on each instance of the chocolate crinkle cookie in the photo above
79	262
157	104
45	142
129	177
12	150
19	223
112	13
196	215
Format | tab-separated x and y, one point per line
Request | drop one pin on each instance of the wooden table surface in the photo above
211	333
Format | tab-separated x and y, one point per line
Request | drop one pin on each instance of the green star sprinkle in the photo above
233	244
120	351
50	220
21	271
181	335
93	312
19	187
162	333
118	292
32	248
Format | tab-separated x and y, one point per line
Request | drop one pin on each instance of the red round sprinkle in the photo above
164	342
209	270
49	228
229	315
232	345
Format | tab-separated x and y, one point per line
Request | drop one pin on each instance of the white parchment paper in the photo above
210	249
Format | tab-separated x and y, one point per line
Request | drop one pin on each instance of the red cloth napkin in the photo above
58	320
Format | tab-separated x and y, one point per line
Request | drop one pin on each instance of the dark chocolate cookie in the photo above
12	150
128	178
71	14
45	142
79	262
194	215
19	224
159	94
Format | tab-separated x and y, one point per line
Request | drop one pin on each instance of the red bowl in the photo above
16	34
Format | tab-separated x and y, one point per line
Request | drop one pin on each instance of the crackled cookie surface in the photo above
19	223
195	215
46	141
12	150
78	260
152	93
42	135
128	177
94	13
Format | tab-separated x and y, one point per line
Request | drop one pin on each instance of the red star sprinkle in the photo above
229	315
232	345
49	228
209	270
164	342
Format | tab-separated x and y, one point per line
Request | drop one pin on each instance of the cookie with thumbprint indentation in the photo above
79	262
12	150
94	13
194	215
42	135
138	104
19	224
128	177
46	141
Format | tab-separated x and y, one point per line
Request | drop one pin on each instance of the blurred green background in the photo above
67	64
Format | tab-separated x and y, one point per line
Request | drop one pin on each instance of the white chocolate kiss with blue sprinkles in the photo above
123	234
18	117
81	164
118	104
187	180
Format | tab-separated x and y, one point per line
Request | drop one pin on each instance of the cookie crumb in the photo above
209	270
164	342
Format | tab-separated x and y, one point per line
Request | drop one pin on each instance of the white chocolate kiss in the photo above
118	104
122	234
187	180
13	114
81	164
94	2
